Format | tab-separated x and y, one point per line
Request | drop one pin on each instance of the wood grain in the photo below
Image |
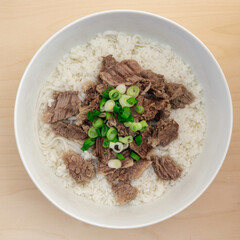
24	212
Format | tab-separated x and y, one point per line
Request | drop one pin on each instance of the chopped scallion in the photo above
132	101
144	125
92	114
135	156
88	143
121	88
111	133
114	95
120	156
133	91
139	109
102	104
97	123
105	93
106	143
135	127
138	140
127	139
109	105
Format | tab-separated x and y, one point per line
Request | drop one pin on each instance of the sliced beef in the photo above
130	173
90	103
103	154
144	86
141	150
121	72
104	169
152	107
65	105
81	171
124	192
179	95
165	167
108	61
164	132
127	162
101	87
69	131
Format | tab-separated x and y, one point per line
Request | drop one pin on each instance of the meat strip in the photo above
179	95
163	133
69	131
81	171
104	154
65	105
124	192
165	167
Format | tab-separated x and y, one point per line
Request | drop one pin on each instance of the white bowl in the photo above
219	117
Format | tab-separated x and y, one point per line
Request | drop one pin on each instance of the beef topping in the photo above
165	167
69	131
108	61
65	105
164	132
124	192
81	170
179	95
104	154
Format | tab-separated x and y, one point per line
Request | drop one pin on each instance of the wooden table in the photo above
24	212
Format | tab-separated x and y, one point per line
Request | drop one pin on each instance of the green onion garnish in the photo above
109	116
92	133
121	88
144	125
117	107
102	104
105	93
97	123
132	101
135	127
133	91
127	139
134	156
120	156
92	114
98	132
106	143
115	95
88	143
139	109
109	105
123	101
104	130
126	111
127	124
111	133
138	140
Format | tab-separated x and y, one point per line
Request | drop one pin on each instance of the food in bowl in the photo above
132	131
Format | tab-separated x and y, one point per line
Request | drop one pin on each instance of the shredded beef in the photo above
179	95
120	72
163	133
124	192
165	167
81	170
69	131
104	154
130	173
122	130
65	105
108	61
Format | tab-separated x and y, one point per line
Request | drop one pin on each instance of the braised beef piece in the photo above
65	105
144	86
81	170
179	95
69	131
157	88
103	154
165	167
124	192
163	133
107	62
90	103
104	169
101	87
130	173
121	72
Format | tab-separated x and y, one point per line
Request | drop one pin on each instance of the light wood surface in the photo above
24	212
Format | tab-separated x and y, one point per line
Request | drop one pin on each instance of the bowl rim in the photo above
92	222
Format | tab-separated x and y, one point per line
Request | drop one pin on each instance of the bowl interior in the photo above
219	117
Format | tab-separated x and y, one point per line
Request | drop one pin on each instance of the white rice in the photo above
82	64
